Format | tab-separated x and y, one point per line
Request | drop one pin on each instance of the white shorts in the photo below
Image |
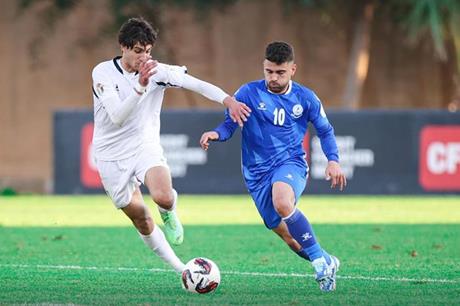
121	177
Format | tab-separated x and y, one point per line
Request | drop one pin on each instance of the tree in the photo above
437	19
441	20
358	64
360	14
121	10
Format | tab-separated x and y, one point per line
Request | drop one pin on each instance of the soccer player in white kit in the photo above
128	93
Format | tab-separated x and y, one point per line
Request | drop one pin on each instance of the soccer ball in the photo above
200	275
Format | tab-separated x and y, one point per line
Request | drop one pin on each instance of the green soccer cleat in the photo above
173	229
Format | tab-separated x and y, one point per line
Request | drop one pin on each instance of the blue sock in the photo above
301	230
327	256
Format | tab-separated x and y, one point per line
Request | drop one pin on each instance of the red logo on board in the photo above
89	175
439	165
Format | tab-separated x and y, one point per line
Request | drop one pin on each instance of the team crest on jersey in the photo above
99	89
297	111
262	106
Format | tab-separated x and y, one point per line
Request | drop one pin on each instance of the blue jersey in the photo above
274	133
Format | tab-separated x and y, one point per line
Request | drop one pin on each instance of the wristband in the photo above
139	89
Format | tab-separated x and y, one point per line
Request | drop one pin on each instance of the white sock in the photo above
163	210
157	242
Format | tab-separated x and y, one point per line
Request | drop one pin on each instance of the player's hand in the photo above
206	138
239	112
335	175
147	68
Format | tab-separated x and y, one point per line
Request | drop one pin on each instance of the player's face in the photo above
132	58
277	76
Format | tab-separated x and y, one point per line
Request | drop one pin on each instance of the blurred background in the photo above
393	62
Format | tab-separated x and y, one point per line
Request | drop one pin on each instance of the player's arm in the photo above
222	132
117	109
176	76
325	133
238	111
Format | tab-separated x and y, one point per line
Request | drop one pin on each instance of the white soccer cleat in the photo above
325	273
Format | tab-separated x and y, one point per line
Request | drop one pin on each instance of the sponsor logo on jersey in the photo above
297	111
262	106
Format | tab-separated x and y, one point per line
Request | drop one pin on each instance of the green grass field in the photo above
80	250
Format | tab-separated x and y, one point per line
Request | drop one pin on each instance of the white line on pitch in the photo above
159	270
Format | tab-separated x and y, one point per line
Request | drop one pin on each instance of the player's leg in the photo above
123	189
151	234
296	222
152	170
282	231
288	184
159	184
139	214
264	198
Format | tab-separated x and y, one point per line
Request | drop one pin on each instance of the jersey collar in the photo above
115	62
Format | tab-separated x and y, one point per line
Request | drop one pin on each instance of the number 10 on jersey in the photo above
280	115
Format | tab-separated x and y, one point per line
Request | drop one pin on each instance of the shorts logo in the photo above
289	176
297	111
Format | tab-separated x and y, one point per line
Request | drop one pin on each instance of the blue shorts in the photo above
292	174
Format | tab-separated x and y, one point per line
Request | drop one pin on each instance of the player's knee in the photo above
283	206
164	198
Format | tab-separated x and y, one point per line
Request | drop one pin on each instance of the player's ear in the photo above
294	68
123	49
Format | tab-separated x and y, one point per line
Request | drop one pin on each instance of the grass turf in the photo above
79	250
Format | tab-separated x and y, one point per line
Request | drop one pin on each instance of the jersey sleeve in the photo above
104	89
228	127
169	75
241	94
208	90
324	130
103	86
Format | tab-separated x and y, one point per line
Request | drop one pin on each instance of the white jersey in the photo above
115	142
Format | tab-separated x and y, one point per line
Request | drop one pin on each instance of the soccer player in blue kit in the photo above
273	160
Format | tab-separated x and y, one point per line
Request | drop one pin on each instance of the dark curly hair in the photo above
279	52
137	30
